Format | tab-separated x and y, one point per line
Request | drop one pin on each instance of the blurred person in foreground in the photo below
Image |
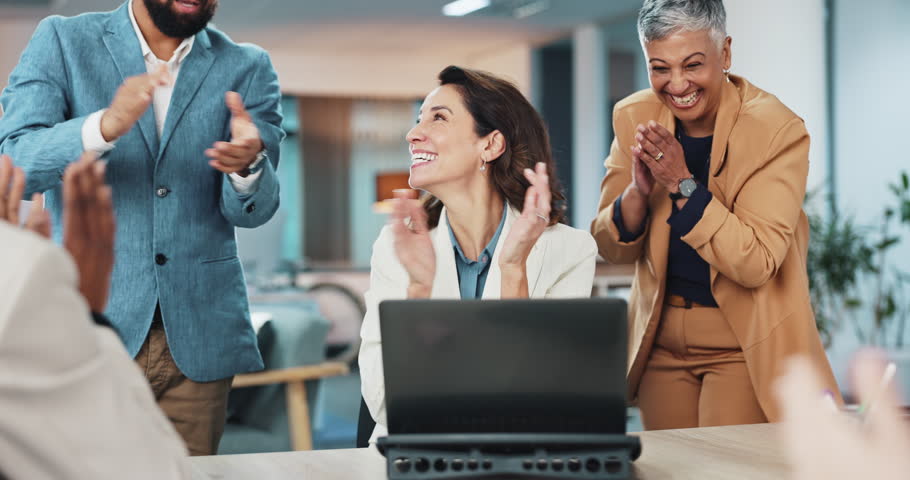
74	404
822	443
703	193
488	224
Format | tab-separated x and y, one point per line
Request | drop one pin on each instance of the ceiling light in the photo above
531	8
460	8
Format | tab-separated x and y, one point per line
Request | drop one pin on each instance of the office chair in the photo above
365	425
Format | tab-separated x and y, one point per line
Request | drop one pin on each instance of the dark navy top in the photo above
688	275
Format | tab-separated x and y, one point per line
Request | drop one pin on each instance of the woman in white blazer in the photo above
487	225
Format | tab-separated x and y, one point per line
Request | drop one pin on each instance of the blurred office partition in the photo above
326	145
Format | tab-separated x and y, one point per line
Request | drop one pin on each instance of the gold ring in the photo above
659	156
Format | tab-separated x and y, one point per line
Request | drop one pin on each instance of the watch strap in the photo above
679	195
255	165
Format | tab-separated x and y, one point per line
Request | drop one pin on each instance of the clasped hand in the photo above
657	158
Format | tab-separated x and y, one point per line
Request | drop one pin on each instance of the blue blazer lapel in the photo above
193	71
120	40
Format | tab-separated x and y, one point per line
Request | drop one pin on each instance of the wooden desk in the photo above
743	452
747	452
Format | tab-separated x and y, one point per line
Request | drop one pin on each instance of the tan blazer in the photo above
753	234
560	265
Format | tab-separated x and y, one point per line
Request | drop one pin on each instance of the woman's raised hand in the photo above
413	243
534	219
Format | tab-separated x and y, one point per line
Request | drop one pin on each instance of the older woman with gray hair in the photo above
703	193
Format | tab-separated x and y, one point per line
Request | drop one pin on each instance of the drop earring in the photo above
483	166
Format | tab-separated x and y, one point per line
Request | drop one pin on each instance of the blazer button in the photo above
251	208
162	192
160	259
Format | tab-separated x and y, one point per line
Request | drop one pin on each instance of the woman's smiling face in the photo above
444	144
687	74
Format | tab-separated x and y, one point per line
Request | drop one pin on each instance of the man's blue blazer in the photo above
178	249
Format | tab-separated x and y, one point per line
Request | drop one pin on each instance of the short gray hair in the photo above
659	19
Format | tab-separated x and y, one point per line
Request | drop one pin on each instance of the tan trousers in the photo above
696	375
197	410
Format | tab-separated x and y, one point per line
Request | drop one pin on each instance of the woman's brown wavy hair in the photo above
496	104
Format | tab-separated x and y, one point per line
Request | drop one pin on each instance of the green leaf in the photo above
905	180
890	307
887	243
852	303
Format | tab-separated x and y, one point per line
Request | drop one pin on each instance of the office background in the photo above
354	71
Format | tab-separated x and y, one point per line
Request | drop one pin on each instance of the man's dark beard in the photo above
175	25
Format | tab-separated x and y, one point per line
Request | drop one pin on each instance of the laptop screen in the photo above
498	366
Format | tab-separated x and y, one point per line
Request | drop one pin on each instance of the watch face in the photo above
687	186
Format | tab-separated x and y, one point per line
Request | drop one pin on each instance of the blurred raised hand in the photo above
89	227
88	221
823	443
12	186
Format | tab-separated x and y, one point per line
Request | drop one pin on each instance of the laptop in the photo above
504	366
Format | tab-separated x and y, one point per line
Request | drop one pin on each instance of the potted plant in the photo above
854	282
838	255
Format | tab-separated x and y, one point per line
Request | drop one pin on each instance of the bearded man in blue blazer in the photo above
188	123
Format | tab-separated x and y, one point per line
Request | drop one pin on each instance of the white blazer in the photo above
560	265
73	404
